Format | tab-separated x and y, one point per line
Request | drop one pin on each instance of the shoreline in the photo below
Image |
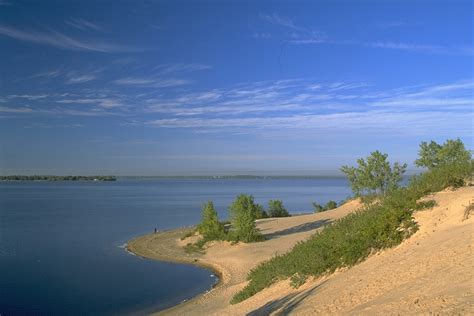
231	263
135	247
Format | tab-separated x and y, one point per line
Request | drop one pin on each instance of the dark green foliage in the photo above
434	155
260	212
210	228
276	209
374	175
425	205
243	212
318	207
342	244
329	206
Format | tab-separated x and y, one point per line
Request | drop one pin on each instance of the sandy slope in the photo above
430	272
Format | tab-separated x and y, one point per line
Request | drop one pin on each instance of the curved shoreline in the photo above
174	253
440	252
231	263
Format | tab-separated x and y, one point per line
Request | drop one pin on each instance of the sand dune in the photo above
432	272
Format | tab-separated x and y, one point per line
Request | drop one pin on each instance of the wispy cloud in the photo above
59	40
84	25
5	3
30	97
48	74
75	79
297	34
305	105
151	82
106	103
181	67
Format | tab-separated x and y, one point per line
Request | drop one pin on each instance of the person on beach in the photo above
155	230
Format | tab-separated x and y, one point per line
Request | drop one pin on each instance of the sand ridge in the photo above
431	272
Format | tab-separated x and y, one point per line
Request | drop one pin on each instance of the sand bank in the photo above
432	272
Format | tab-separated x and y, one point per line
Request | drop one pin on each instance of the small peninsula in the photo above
56	178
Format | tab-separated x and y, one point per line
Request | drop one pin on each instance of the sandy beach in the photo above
431	272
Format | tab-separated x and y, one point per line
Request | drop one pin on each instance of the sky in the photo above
229	87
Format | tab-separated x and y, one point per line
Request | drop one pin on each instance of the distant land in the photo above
57	178
250	177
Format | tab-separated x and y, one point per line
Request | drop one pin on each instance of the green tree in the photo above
449	165
374	175
243	213
210	227
276	209
452	152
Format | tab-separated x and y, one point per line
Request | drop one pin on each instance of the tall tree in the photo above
374	175
243	213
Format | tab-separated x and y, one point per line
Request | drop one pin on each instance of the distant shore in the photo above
56	178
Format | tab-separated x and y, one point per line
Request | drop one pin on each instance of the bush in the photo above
276	209
243	212
329	206
210	227
260	212
318	207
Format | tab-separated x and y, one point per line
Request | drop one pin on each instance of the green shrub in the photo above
243	213
260	212
330	205
276	209
210	227
425	205
318	207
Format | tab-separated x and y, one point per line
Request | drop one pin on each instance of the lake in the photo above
62	243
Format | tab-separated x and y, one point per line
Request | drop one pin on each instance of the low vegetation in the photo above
385	221
328	206
243	213
276	209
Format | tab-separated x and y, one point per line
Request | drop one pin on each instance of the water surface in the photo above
60	241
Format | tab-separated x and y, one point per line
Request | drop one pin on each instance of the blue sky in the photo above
229	87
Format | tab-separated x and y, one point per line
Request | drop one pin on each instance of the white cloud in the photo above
181	67
30	97
83	24
75	79
59	40
151	82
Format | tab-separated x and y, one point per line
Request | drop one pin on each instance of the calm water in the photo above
60	241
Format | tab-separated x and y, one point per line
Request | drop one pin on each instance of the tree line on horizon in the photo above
56	178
